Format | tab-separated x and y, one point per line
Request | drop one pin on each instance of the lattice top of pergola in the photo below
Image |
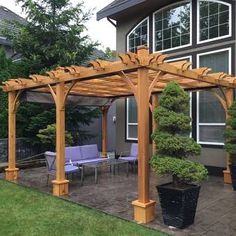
118	79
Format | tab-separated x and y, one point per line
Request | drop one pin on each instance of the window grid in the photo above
207	124
174	35
216	23
139	36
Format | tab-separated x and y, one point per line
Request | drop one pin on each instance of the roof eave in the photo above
113	10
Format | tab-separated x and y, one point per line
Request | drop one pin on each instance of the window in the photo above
132	123
172	27
214	20
138	36
211	115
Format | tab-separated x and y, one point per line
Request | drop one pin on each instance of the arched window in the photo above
214	20
138	36
172	27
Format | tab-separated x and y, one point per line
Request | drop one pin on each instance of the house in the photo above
6	16
200	31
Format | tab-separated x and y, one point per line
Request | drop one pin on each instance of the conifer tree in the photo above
230	133
172	137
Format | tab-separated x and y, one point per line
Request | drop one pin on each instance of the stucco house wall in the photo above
211	155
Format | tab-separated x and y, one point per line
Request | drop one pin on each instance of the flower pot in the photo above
233	175
178	204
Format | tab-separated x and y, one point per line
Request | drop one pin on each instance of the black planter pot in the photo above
178	204
233	175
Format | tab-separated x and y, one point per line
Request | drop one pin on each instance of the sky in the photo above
101	31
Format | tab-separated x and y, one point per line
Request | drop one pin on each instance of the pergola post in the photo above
104	130
60	184
144	208
154	124
229	96
12	171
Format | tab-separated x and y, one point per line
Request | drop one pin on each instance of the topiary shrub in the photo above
172	138
230	133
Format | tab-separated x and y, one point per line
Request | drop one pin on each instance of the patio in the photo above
113	194
142	75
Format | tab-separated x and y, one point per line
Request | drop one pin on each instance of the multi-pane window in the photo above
214	20
172	27
211	115
132	123
139	36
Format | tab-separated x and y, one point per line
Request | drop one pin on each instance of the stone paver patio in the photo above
216	212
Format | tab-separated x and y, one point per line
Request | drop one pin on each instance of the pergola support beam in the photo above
12	171
104	130
60	184
144	208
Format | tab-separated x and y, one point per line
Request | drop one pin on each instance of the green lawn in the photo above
27	212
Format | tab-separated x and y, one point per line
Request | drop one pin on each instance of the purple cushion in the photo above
134	150
73	154
89	151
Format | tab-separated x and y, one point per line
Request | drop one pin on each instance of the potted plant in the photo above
230	142
178	199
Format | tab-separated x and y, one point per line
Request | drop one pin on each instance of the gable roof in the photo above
8	15
116	7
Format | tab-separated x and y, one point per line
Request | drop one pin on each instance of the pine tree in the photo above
172	137
230	133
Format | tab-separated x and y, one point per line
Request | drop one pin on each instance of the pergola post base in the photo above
227	177
60	188
144	212
11	174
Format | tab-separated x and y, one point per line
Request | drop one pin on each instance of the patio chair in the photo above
132	156
51	166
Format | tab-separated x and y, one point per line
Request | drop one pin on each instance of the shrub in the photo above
186	171
172	138
48	137
230	133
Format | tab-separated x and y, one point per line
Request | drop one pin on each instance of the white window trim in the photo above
129	124
211	124
153	27
127	38
198	23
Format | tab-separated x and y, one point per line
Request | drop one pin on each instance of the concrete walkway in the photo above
216	212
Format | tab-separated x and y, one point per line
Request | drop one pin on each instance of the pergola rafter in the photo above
141	75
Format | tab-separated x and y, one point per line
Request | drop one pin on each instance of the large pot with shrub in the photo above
178	199
230	142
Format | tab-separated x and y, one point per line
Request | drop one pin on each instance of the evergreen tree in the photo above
172	137
52	36
230	133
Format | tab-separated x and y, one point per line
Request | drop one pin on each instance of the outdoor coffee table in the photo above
112	163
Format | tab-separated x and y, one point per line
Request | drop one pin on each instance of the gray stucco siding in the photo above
211	155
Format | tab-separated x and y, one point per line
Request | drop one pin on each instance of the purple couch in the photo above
79	155
133	155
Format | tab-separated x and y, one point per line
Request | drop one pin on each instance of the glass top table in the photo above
112	163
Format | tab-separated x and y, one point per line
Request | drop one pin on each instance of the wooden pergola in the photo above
141	75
